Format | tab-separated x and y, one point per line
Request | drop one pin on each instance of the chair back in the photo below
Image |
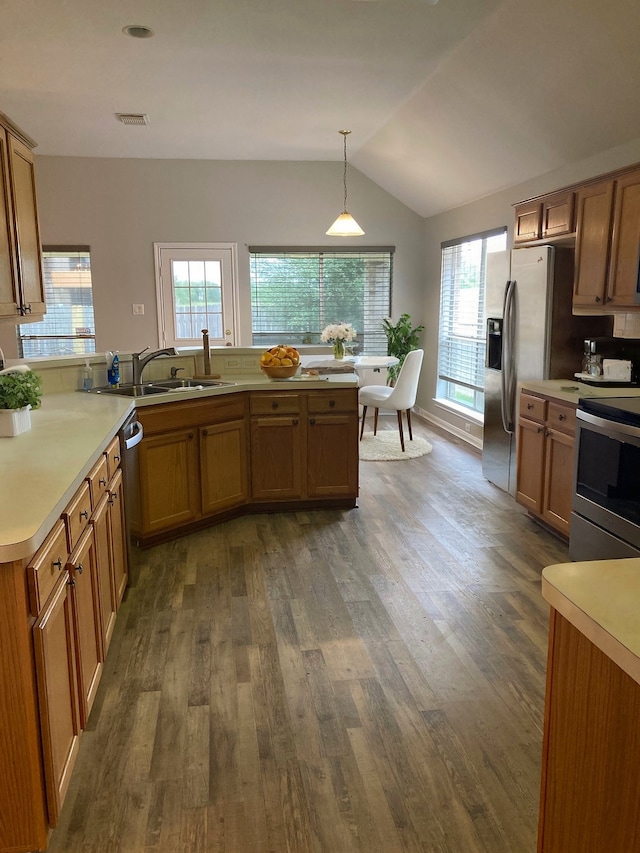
405	390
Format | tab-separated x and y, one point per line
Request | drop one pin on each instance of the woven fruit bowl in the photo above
279	372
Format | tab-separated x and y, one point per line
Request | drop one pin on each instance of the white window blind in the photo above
296	292
68	326
461	344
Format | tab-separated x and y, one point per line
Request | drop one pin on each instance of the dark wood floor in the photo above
369	680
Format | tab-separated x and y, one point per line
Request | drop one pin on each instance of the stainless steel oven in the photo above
605	522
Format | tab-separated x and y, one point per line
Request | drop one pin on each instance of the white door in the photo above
196	287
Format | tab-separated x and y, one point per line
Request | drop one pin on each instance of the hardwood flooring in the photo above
364	680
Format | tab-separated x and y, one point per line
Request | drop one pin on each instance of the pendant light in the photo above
345	225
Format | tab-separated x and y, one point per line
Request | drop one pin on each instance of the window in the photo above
461	344
296	292
68	326
195	283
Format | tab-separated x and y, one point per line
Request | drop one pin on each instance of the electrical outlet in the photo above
138	309
467	427
231	362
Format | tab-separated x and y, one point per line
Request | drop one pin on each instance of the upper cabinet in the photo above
608	244
21	280
541	219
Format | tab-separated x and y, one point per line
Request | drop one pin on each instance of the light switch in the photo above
138	309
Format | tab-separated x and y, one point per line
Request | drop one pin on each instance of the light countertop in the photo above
570	390
600	598
43	468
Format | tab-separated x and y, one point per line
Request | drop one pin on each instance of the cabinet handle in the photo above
312	421
609	298
529	405
116	457
79	568
71	582
548	433
113	497
58	564
205	432
190	436
598	299
332	403
294	422
25	309
102	481
84	514
562	417
274	404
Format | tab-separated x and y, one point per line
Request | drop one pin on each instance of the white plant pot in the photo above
14	421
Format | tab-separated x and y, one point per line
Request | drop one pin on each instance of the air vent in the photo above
133	118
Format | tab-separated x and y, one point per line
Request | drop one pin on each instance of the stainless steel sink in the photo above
129	390
180	384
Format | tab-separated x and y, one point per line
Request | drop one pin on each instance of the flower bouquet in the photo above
338	334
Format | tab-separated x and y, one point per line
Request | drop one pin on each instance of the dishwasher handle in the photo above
135	434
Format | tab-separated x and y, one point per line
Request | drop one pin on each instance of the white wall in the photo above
120	207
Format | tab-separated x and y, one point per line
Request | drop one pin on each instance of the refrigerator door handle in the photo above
507	396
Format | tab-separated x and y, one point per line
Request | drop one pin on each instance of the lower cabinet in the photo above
57	612
545	449
223	466
169	474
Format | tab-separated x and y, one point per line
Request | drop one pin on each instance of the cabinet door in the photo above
54	644
557	214
107	593
528	220
83	569
118	538
169	486
593	229
530	465
223	466
625	245
276	461
558	480
332	456
25	211
8	272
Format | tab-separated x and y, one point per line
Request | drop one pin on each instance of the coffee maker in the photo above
591	359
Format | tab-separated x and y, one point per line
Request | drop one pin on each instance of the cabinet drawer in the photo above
275	404
534	408
98	479
46	566
77	515
185	415
562	418
114	456
323	402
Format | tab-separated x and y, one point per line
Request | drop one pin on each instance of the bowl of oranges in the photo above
280	362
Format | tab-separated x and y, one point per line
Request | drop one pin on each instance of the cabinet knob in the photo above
529	405
332	403
116	458
79	568
294	422
84	514
205	432
58	564
71	582
102	481
113	497
562	417
312	421
539	430
274	404
598	299
191	436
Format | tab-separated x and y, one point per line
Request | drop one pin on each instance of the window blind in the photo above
68	326
296	292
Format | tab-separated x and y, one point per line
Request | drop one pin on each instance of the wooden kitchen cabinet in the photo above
21	278
590	789
528	221
276	446
622	288
169	480
545	450
118	545
106	590
558	214
223	466
332	445
593	231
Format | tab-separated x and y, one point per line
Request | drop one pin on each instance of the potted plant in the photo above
401	339
20	391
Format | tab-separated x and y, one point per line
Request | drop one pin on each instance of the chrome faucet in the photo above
140	363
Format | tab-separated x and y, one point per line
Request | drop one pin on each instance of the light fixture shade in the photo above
345	226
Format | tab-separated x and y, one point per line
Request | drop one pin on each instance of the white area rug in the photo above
385	447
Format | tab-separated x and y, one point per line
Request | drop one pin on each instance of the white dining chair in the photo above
401	397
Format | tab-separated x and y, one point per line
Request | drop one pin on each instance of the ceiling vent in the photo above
133	118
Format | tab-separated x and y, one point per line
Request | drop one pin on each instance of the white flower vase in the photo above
14	421
338	350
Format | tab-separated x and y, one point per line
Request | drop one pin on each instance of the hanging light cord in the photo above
344	178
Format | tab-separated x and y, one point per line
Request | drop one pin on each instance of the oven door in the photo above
605	522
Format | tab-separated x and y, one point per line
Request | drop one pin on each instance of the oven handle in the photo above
608	424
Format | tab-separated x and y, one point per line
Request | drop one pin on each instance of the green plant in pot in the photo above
402	337
20	391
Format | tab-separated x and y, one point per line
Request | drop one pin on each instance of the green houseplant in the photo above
401	339
20	391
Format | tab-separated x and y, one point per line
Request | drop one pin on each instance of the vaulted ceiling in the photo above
446	103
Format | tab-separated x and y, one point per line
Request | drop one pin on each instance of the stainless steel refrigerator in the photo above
530	334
